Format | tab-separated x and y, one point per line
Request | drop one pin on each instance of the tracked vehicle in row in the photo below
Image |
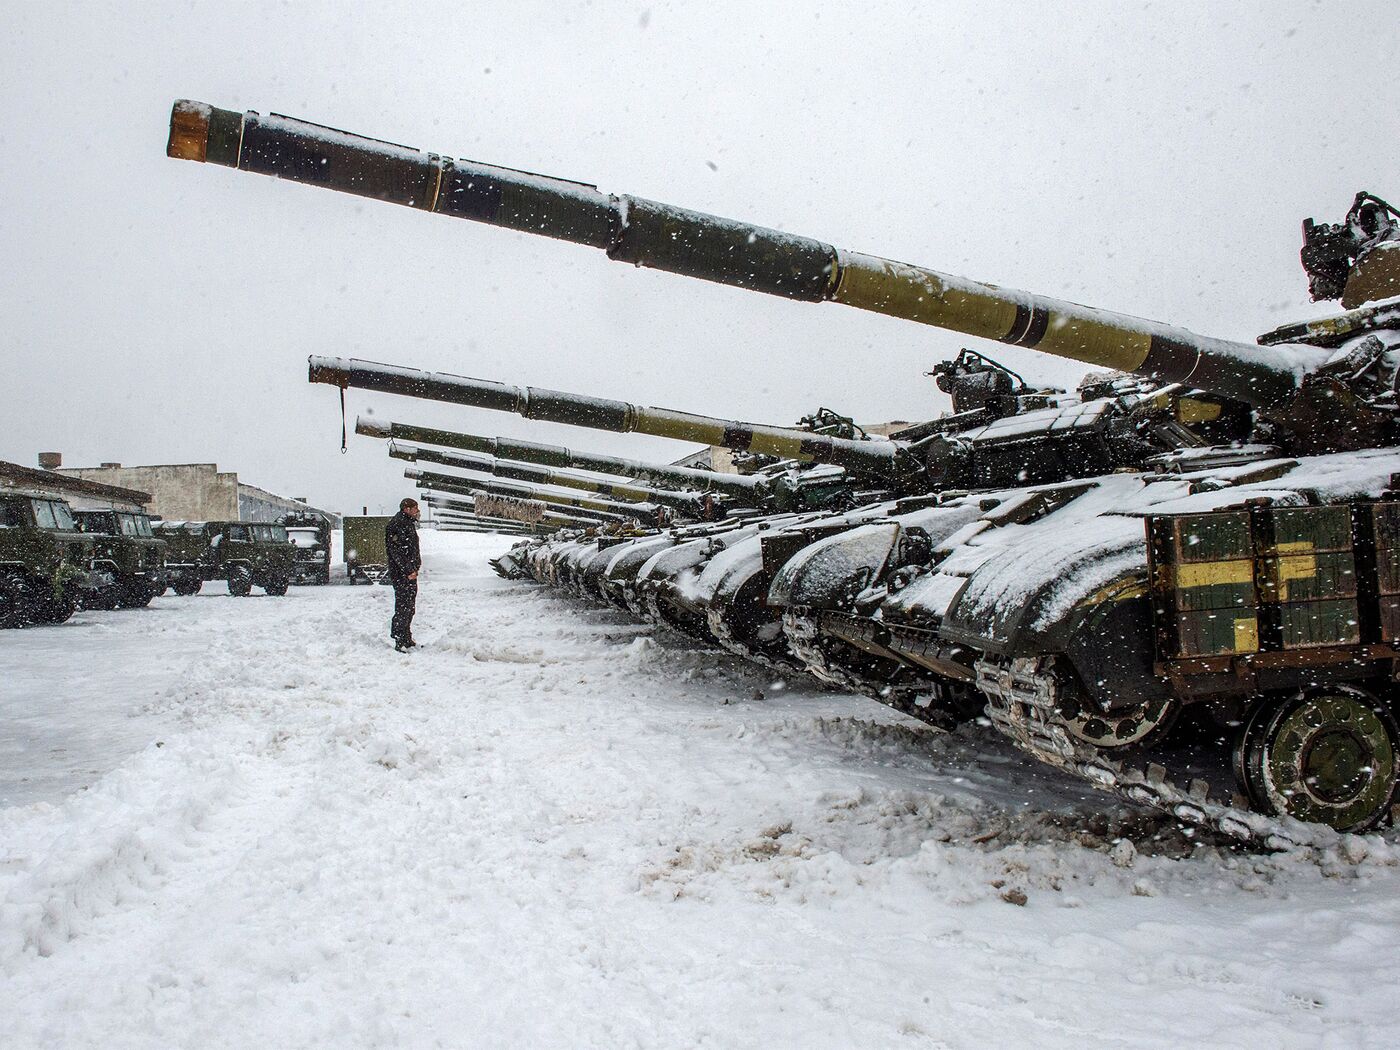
1214	528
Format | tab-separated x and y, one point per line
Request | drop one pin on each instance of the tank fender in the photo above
829	573
730	569
1110	642
667	565
1022	592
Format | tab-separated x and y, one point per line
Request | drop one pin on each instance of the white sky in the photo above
1155	159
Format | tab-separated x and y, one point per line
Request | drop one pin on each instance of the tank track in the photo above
725	637
1023	703
805	641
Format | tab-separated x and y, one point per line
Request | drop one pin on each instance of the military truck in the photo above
45	562
311	536
366	560
126	550
241	553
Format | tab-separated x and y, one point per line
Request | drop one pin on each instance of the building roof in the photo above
13	473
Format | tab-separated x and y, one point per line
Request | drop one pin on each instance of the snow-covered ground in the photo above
553	828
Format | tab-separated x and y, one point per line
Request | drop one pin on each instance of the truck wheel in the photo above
240	581
276	588
136	595
184	588
104	598
14	603
54	609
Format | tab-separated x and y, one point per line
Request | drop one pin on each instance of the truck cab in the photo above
45	561
311	536
126	550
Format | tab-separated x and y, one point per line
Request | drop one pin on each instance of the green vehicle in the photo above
365	558
311	535
128	551
242	553
45	562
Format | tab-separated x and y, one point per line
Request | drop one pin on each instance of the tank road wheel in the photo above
240	580
1324	758
1145	724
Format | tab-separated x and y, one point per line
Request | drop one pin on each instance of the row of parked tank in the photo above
1209	528
55	560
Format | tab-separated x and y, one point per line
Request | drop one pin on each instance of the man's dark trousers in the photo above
405	600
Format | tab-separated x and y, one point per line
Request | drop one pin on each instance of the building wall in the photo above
179	491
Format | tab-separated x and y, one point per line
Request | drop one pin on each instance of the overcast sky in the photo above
1155	159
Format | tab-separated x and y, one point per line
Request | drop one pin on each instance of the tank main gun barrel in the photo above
694	244
687	503
482	526
491	507
489	524
743	488
574	517
484	523
519	490
878	457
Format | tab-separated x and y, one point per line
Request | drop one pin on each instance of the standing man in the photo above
401	546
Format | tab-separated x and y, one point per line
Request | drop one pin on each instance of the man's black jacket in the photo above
401	546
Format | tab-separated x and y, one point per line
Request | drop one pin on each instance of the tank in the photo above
1242	583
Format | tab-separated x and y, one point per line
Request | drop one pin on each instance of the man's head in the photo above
409	507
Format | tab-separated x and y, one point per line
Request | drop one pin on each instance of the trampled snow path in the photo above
552	829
